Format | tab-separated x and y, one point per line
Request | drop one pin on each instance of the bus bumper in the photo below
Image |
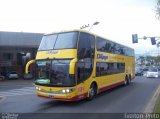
75	98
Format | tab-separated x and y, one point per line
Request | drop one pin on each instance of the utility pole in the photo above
158	45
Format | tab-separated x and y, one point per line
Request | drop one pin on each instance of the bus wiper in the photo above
62	62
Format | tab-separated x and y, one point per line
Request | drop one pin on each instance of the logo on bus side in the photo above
102	57
52	52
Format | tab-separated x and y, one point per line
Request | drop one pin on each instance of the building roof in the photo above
20	39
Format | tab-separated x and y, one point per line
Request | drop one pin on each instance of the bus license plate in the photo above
51	96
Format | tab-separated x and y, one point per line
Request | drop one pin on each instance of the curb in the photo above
150	106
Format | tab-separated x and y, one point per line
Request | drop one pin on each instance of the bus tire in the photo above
129	80
92	91
126	81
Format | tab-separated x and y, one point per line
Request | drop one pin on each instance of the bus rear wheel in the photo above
126	81
129	80
92	91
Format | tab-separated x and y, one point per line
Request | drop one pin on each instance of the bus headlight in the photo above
36	88
67	90
39	89
63	91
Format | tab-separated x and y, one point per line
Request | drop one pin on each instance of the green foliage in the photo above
149	60
142	60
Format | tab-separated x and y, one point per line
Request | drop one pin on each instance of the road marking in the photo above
16	92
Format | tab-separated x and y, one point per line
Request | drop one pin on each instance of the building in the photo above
16	48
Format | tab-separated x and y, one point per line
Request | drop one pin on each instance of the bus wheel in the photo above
129	80
126	81
92	91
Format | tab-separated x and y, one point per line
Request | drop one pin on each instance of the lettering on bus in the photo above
80	89
52	52
102	57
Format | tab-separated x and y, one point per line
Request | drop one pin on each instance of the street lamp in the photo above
95	23
85	26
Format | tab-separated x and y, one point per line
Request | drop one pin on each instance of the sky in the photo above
118	19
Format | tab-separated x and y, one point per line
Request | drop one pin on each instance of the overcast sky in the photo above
119	19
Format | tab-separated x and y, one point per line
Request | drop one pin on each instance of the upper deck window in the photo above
66	40
47	42
104	45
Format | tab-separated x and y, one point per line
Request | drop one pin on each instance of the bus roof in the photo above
79	30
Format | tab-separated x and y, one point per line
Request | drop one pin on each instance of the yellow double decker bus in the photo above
75	65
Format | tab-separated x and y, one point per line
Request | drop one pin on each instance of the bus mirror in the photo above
72	66
28	64
134	38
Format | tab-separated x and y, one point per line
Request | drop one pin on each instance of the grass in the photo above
157	106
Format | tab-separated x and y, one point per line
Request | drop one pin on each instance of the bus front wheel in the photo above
92	91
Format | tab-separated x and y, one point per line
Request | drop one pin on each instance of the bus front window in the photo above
43	69
54	73
66	40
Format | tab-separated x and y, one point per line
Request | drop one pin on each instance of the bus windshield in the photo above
57	41
56	72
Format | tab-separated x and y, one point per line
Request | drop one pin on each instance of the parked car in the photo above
139	72
152	73
13	75
28	76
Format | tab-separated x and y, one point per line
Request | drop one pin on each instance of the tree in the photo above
158	9
157	60
141	59
149	60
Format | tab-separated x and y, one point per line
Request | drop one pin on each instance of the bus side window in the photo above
85	55
97	69
83	47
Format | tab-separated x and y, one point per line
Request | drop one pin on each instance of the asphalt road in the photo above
130	99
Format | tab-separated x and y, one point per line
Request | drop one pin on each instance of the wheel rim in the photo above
91	91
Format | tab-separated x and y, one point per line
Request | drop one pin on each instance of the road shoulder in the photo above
150	106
